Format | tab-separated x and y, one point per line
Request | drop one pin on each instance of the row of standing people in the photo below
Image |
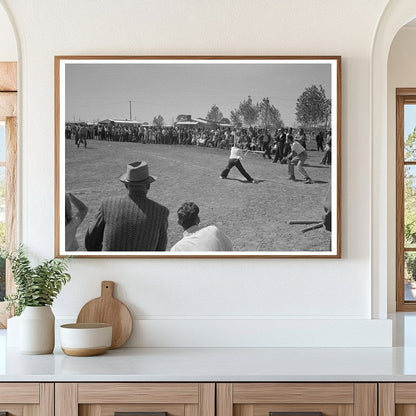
252	138
200	136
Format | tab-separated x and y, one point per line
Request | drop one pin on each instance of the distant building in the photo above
124	123
187	120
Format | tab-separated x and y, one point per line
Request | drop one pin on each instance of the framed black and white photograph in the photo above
198	156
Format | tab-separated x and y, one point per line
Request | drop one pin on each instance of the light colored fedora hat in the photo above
137	172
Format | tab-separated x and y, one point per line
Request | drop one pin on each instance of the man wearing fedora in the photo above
130	222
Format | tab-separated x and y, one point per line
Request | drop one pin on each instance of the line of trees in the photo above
263	113
313	109
158	121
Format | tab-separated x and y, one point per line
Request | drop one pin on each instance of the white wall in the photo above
8	46
401	74
202	302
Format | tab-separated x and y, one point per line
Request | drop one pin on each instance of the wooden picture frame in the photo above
182	115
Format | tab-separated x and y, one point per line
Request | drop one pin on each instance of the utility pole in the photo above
130	110
266	121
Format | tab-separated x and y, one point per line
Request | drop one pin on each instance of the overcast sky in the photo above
98	91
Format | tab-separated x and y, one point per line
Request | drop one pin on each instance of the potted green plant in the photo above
36	289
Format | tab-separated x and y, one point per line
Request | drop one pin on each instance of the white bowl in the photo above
84	340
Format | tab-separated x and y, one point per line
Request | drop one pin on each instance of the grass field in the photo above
254	216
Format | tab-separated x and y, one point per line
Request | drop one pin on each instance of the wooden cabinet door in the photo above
397	399
297	399
26	399
143	399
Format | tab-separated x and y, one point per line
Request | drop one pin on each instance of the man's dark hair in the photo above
188	215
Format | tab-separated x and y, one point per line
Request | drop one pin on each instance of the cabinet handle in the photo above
295	413
138	414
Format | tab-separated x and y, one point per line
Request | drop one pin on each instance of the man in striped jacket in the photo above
130	222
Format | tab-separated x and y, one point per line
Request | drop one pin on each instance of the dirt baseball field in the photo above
254	216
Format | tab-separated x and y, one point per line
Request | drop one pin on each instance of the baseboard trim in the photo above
257	332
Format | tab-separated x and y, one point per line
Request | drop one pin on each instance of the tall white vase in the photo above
37	330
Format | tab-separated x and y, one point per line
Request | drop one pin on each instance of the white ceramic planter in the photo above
37	330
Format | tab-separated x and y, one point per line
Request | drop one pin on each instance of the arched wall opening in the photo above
401	74
383	201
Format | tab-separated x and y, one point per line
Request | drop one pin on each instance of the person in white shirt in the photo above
196	237
297	157
235	160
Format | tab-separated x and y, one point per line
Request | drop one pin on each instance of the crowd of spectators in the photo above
251	138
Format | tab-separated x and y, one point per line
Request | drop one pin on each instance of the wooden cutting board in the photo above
107	309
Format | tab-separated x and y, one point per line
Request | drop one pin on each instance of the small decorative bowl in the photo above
84	340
